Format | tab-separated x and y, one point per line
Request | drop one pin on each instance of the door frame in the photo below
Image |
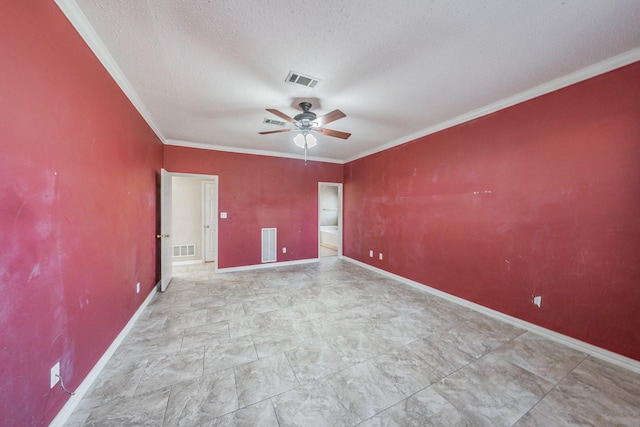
340	213
166	252
204	177
212	180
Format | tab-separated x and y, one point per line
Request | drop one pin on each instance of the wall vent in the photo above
269	245
184	250
296	78
273	122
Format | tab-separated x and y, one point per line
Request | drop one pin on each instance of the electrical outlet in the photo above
138	288
537	300
284	250
371	254
380	256
55	373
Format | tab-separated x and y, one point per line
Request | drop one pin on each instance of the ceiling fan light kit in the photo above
305	139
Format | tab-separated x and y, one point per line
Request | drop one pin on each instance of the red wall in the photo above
542	198
260	192
77	210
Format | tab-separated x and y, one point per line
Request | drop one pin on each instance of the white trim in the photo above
340	187
195	261
267	265
216	222
189	144
592	350
63	415
586	73
89	35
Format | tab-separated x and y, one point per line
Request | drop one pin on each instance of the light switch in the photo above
223	215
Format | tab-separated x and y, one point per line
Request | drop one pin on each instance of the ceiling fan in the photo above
308	122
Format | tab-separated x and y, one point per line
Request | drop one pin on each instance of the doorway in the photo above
329	219
194	206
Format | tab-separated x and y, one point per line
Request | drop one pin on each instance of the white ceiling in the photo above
202	72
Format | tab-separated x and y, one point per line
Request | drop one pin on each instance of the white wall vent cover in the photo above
269	245
296	78
184	250
273	122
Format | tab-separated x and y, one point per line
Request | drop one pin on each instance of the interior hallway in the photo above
331	343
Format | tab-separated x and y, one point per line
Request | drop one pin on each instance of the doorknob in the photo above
206	226
158	236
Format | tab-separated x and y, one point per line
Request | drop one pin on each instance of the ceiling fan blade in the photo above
274	131
281	115
336	133
330	117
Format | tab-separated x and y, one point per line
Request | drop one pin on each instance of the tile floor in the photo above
333	344
324	251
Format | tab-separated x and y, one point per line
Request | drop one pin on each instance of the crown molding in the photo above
89	35
201	146
583	74
80	22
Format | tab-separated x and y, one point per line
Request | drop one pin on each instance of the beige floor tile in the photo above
330	343
263	379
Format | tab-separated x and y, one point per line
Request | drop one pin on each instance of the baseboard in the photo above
590	349
328	246
192	262
63	416
266	265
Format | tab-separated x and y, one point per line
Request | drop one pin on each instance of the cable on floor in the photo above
63	387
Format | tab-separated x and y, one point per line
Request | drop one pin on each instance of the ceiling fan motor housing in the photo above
306	117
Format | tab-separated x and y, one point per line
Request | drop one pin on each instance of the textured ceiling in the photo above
203	72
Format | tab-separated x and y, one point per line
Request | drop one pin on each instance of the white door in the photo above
165	230
210	219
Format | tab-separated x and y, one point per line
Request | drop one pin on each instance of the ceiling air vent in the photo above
300	79
273	122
